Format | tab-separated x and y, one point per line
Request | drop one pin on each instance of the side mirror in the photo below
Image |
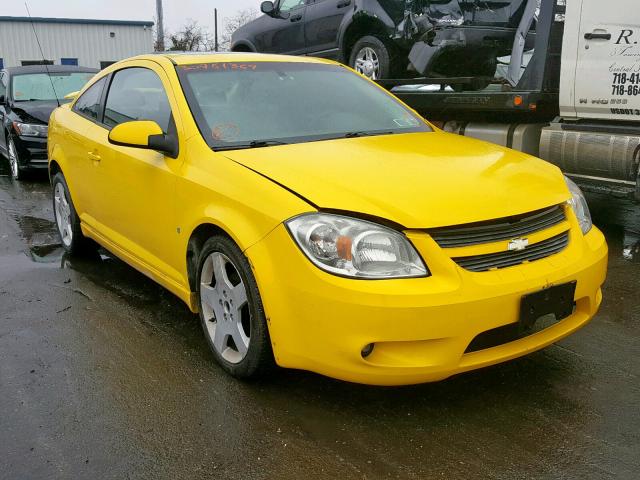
268	8
144	134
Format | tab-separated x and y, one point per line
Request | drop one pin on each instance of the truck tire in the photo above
371	57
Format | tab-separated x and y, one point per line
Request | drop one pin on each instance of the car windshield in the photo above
47	87
245	105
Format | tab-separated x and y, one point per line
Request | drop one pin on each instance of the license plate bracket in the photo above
557	300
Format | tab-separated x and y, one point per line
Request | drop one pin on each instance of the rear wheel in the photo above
231	310
67	220
17	173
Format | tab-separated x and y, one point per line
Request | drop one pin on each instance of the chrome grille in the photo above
503	229
536	251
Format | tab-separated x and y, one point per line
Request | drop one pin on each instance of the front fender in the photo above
214	190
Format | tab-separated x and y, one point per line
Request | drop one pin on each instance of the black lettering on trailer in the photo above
624	35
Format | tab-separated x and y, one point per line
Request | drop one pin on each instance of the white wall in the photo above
89	43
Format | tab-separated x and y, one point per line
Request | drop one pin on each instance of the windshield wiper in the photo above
251	144
265	143
366	134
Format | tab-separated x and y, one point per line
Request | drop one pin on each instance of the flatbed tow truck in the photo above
576	103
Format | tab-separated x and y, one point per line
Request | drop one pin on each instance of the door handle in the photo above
594	36
296	18
343	3
94	156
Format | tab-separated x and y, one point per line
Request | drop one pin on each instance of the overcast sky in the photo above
176	12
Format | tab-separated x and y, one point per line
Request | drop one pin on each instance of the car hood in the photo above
418	180
34	112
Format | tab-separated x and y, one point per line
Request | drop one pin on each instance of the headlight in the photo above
579	205
355	248
30	129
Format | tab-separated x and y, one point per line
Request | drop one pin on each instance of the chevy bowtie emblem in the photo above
518	244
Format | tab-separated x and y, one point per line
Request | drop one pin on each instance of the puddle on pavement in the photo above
43	246
116	276
42	239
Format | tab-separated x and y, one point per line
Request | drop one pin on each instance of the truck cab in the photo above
600	75
596	137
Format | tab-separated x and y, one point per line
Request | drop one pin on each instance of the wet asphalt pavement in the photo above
103	374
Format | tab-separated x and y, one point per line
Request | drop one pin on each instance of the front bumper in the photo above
32	152
420	327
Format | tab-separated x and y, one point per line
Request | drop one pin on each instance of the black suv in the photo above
388	38
28	95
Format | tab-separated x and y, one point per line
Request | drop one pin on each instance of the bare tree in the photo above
191	38
233	23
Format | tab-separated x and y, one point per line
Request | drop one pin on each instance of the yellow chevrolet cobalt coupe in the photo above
315	222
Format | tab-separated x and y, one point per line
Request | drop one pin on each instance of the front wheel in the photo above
14	162
231	310
371	57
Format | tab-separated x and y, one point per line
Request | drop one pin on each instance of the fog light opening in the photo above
366	350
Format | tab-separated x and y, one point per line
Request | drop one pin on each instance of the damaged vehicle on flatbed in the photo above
389	38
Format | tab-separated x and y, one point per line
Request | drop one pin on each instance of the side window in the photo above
286	5
88	104
137	94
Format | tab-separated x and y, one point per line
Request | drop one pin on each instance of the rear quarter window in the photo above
88	105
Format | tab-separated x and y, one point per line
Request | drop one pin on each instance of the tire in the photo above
371	57
17	172
231	311
67	220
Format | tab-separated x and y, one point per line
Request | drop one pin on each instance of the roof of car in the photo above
189	58
49	68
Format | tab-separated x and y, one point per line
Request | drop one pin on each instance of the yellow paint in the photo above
134	133
144	206
71	95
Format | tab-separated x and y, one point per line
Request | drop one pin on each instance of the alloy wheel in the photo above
13	160
367	63
63	214
224	304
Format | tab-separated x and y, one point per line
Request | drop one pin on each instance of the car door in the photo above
135	188
322	25
607	77
284	31
79	166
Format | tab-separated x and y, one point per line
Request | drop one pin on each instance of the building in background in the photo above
71	41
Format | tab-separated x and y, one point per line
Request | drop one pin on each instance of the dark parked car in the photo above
28	95
388	38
